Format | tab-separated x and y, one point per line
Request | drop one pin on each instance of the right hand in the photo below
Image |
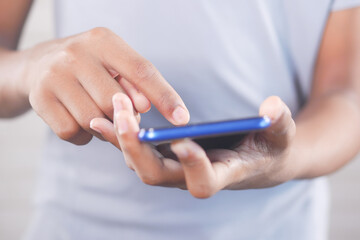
71	81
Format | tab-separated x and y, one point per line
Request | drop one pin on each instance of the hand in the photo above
71	81
260	160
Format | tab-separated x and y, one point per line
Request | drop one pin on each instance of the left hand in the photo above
260	160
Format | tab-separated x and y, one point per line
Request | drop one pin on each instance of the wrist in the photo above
21	81
298	164
14	99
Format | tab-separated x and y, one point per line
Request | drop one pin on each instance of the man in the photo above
223	58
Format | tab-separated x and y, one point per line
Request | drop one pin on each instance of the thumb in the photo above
283	128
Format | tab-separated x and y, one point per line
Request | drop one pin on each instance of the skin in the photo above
67	78
75	78
322	138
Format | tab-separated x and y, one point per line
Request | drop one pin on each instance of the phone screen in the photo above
208	143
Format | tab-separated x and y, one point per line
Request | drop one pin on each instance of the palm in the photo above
206	166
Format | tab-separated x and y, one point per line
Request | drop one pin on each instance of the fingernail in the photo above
122	124
180	115
93	127
117	103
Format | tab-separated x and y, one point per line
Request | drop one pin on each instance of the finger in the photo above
104	127
282	128
148	166
141	103
229	168
165	150
79	104
99	84
114	74
57	117
145	77
200	176
125	101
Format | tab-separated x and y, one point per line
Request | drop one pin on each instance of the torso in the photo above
224	58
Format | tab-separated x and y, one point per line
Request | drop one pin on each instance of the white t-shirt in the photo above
223	58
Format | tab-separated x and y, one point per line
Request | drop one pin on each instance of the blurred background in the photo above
21	142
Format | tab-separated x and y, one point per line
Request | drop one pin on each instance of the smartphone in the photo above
208	135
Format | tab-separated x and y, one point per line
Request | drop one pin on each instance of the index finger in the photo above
145	77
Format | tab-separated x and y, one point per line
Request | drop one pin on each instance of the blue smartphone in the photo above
213	134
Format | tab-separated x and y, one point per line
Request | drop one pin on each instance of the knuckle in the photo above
69	55
129	165
82	140
99	33
51	80
68	130
47	75
151	179
144	71
195	159
202	191
196	153
164	101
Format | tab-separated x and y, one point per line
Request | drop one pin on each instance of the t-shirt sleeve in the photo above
345	4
